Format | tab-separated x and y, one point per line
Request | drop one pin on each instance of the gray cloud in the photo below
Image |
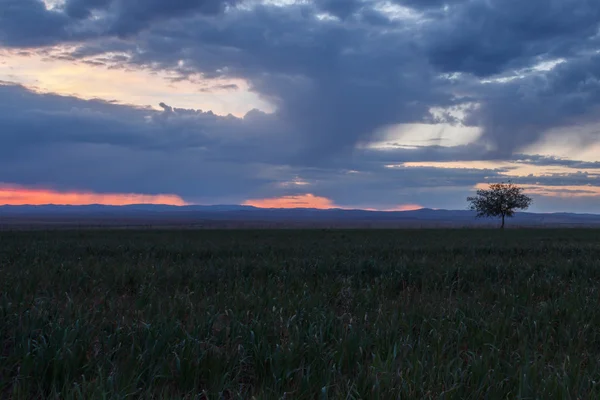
353	77
554	161
29	23
563	179
25	23
320	75
82	9
229	86
485	37
127	17
428	4
69	144
517	113
340	8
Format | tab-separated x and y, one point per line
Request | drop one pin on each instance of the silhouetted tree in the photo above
500	200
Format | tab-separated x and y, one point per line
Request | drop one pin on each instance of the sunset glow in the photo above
300	201
400	207
406	207
88	80
15	195
318	202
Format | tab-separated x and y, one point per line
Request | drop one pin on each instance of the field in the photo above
300	314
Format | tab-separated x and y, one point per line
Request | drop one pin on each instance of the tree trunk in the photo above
502	227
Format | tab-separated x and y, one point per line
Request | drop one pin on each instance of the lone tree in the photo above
500	200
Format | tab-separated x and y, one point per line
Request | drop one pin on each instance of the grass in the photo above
432	314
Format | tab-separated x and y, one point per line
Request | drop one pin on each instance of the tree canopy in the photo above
500	200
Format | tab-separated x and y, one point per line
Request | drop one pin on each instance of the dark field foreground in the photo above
460	314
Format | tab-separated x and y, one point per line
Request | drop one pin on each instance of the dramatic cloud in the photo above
331	76
352	78
126	17
31	23
519	112
25	23
99	146
493	36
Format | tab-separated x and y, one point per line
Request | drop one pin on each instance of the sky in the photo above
382	105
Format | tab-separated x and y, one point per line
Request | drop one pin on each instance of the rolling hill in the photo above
232	216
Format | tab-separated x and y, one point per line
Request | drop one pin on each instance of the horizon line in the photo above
270	208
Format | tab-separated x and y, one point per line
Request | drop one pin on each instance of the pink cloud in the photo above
17	195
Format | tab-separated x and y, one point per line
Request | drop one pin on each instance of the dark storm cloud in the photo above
71	143
517	113
485	37
428	4
333	84
126	17
28	23
340	8
25	23
35	120
81	9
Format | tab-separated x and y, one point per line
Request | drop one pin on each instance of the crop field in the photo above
300	314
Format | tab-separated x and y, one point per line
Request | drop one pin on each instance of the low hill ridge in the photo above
249	216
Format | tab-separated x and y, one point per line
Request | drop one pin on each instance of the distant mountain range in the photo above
232	216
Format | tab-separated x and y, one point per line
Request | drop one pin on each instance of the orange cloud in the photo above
141	87
300	201
312	201
405	207
16	195
400	207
